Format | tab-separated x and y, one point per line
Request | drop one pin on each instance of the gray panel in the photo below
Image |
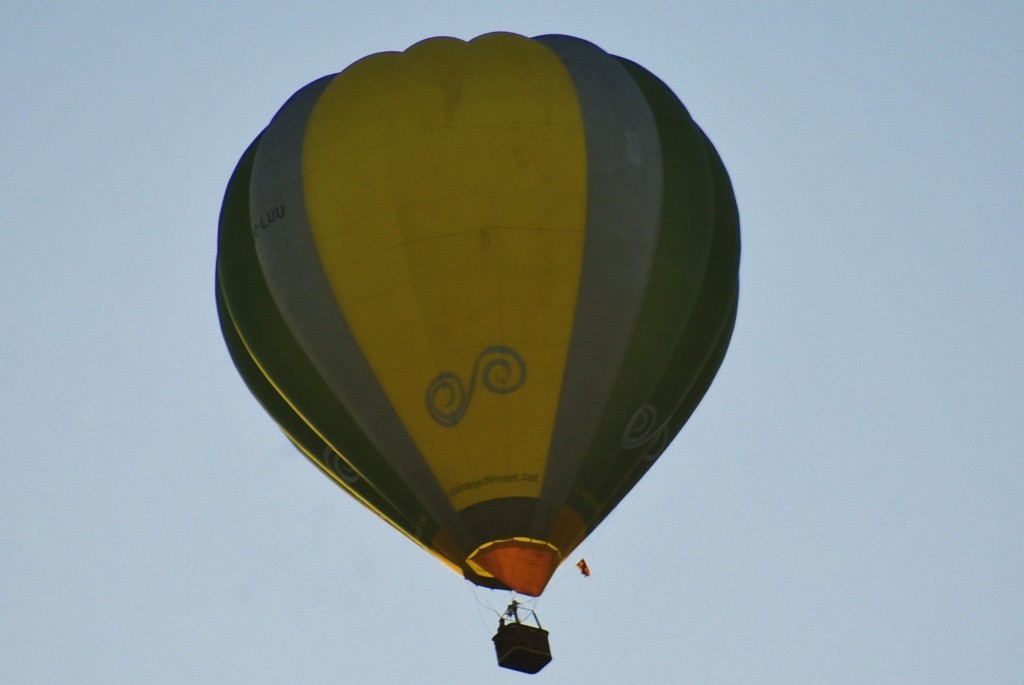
624	191
291	265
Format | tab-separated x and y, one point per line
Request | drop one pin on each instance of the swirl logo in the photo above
338	465
644	431
498	368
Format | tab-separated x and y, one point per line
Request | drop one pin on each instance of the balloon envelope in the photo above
481	285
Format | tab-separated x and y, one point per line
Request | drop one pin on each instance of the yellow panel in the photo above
446	191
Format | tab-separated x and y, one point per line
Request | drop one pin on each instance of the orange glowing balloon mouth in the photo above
523	564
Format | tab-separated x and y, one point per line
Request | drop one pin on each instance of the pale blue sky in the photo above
845	507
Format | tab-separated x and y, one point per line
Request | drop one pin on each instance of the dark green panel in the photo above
265	335
700	351
677	278
624	205
297	430
293	269
646	454
501	518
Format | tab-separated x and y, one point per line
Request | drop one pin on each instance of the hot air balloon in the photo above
481	285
